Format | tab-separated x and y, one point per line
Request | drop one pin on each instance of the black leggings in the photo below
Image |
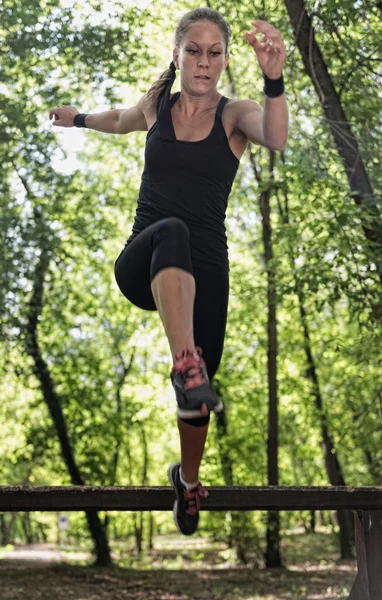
164	244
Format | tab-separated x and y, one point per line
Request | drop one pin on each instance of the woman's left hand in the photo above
270	51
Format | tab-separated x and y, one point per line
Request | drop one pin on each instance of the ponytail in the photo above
166	79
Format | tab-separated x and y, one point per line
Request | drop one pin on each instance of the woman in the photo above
176	259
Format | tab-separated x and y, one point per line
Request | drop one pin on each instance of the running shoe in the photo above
194	394
187	503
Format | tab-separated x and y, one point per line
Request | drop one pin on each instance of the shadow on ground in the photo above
36	580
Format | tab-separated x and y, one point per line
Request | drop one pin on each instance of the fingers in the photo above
271	39
252	39
259	43
263	26
271	35
265	43
54	112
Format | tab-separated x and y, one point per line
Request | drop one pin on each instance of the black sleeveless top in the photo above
189	180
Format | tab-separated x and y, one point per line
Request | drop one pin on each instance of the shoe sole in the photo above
175	507
195	414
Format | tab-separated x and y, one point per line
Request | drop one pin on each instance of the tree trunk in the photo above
225	458
4	539
138	532
373	463
120	383
27	528
272	556
118	433
41	371
313	521
236	538
42	533
139	519
344	138
151	531
333	467
332	464
222	434
374	466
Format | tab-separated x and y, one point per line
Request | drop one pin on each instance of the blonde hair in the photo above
198	14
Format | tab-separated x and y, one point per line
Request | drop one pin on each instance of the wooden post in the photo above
368	531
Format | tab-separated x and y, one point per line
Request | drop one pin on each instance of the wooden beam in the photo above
365	501
74	498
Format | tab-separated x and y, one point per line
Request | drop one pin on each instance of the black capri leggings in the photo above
164	244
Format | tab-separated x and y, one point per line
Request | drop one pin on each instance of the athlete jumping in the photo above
176	258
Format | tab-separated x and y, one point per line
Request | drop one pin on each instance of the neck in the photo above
190	105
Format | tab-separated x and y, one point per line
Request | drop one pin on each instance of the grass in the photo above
190	568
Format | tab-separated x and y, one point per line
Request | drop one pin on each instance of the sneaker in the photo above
194	394
187	503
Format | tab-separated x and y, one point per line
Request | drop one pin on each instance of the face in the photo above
201	57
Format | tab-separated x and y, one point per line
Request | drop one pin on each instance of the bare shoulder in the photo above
139	117
237	109
148	108
245	118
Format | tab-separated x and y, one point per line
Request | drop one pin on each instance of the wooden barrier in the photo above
366	502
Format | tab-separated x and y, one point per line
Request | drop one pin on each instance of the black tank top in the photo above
189	180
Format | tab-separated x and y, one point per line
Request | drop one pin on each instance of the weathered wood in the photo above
365	501
72	498
368	583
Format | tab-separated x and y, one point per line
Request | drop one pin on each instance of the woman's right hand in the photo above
63	116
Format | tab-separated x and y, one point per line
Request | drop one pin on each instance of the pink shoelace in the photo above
192	497
190	365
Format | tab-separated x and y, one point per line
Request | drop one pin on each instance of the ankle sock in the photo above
184	353
188	486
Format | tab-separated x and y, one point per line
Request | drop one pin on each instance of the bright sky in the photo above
73	140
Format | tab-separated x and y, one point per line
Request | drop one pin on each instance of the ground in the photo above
37	573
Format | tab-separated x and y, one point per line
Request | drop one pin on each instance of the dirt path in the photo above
41	553
36	573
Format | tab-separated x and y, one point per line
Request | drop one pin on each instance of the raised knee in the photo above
176	225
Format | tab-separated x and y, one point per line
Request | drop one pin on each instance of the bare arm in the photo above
120	120
267	127
275	122
249	121
271	55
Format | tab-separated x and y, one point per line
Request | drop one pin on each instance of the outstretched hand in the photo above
270	50
64	115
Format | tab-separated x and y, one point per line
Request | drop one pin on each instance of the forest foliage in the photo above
67	205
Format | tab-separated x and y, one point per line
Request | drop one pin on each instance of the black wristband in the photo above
273	87
79	120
